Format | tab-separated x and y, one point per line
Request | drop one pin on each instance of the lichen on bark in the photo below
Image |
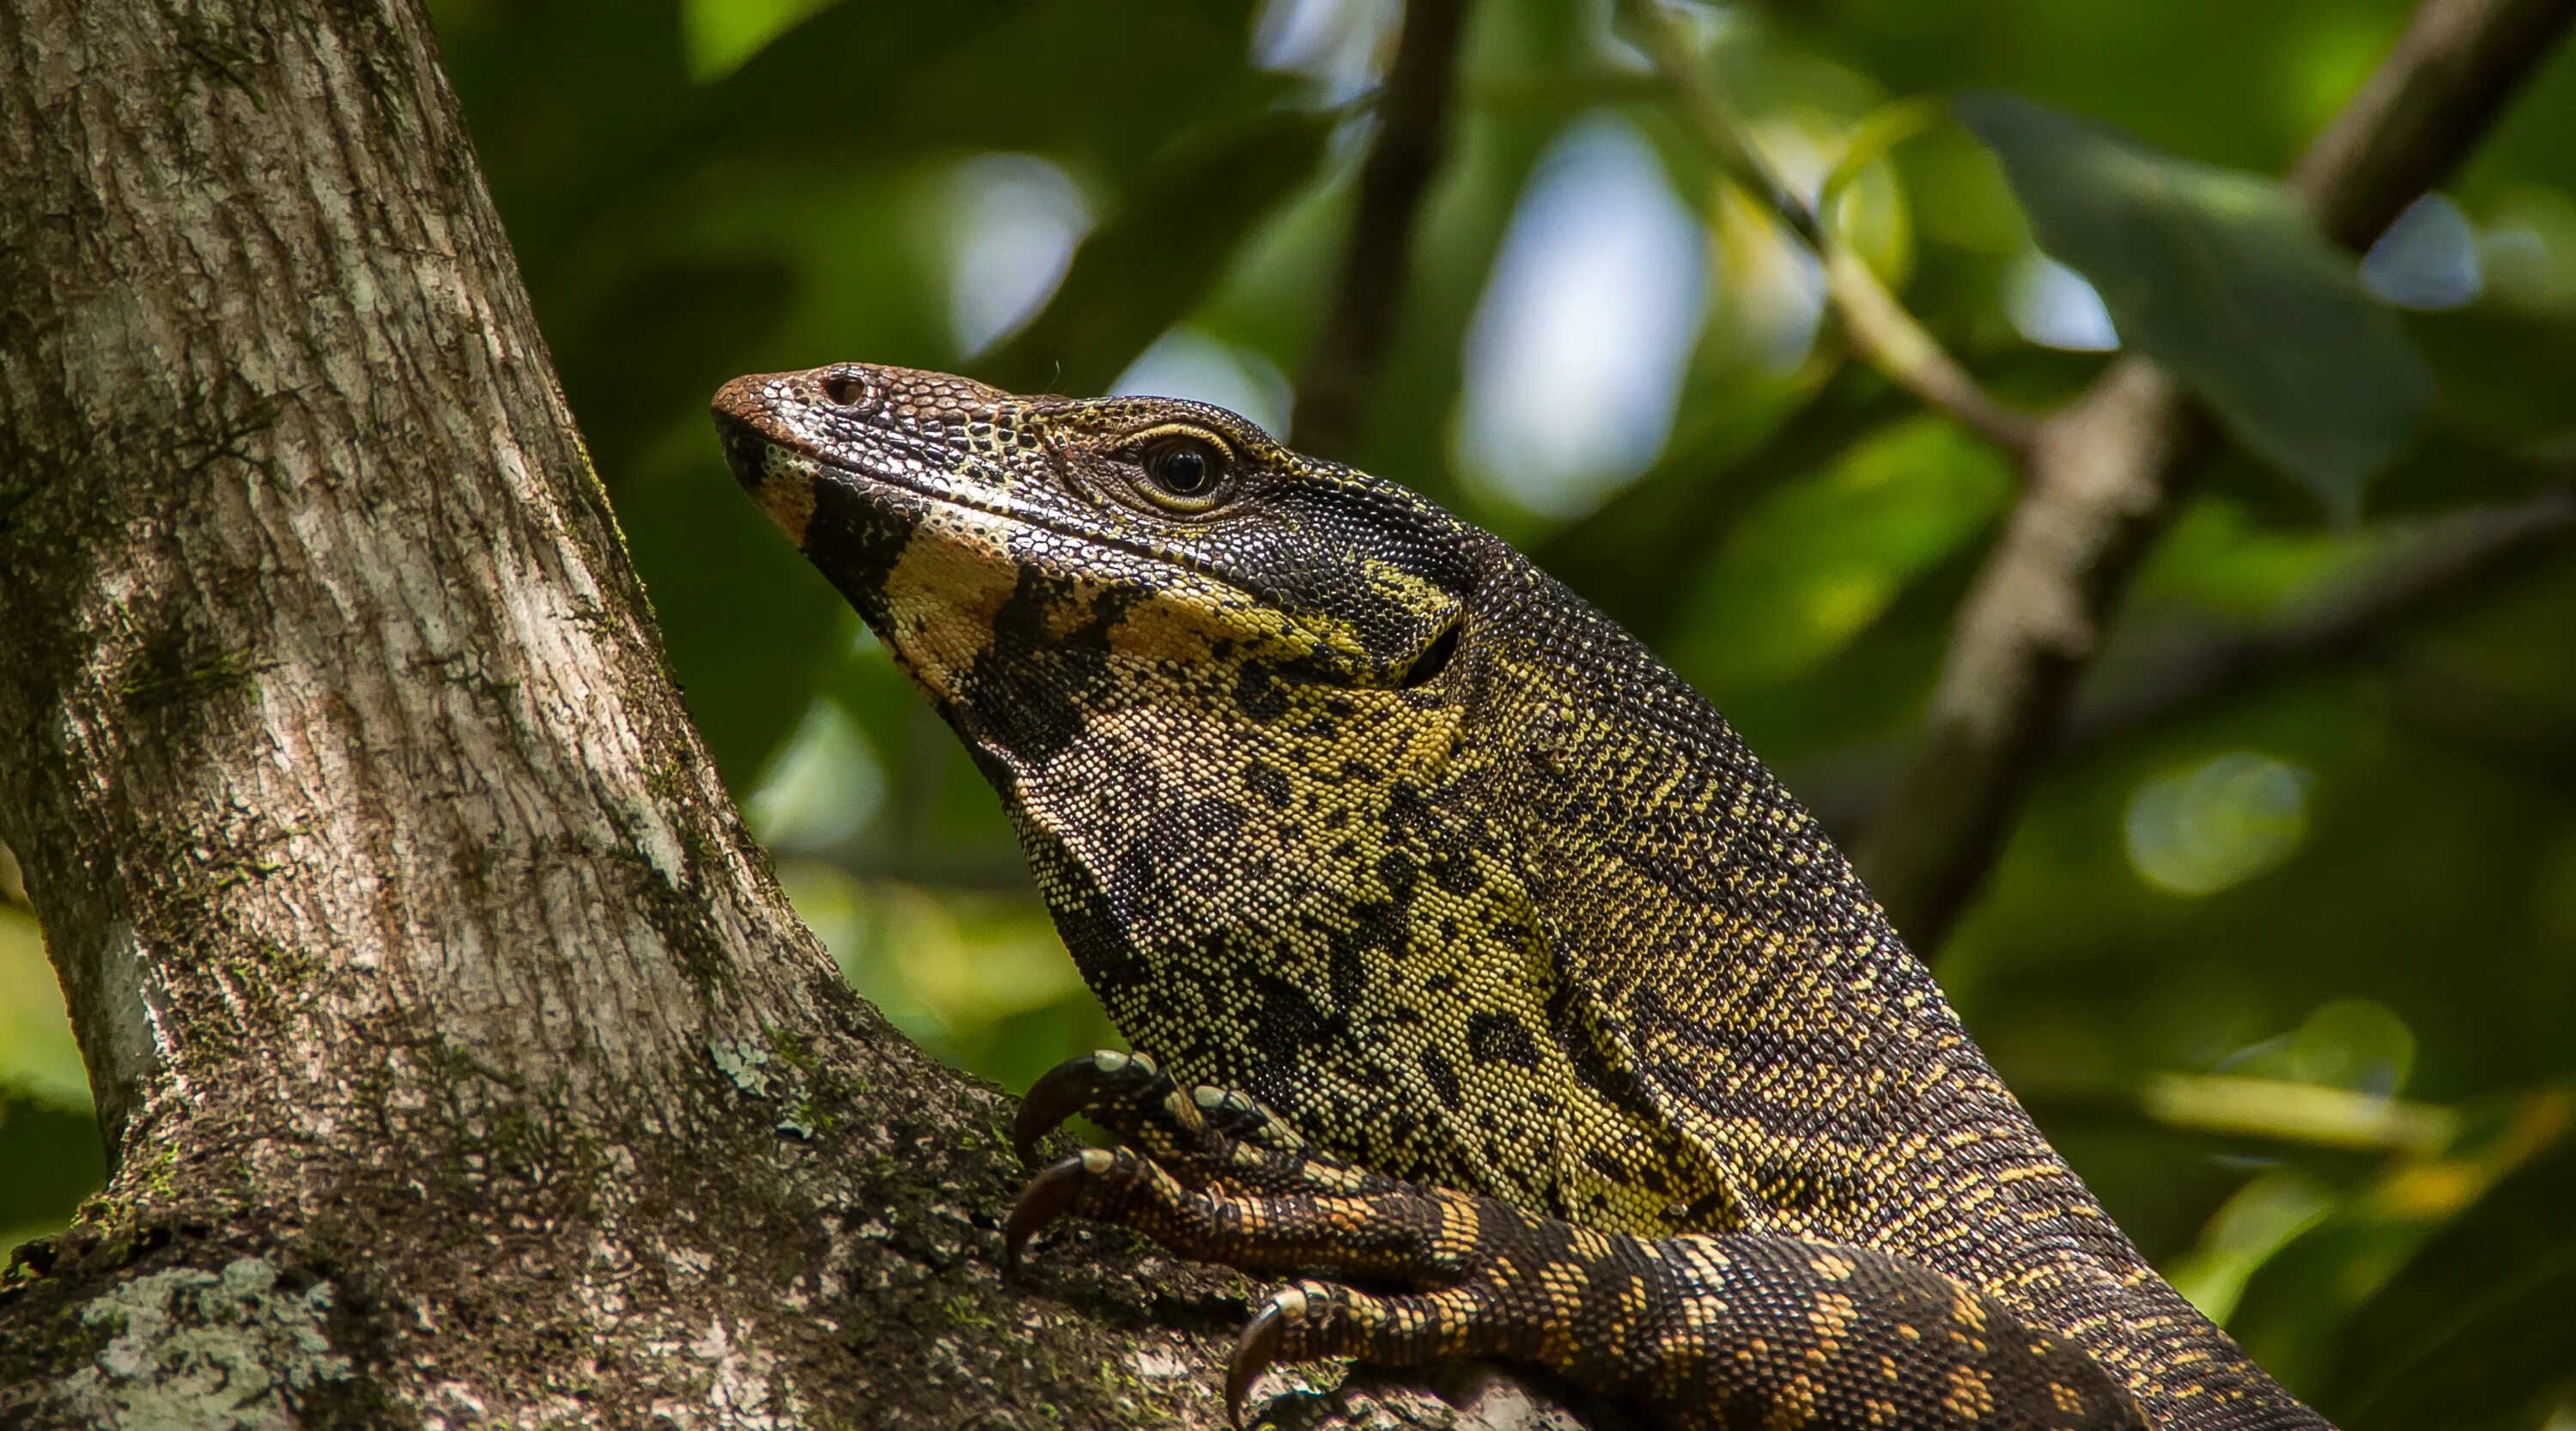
188	1347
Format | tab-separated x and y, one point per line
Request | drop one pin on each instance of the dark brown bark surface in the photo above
459	1058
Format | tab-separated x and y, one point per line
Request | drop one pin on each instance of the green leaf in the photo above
2435	1293
721	34
2216	274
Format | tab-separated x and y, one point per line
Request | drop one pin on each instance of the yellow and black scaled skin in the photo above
1469	953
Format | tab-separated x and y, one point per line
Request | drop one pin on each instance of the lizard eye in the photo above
1183	473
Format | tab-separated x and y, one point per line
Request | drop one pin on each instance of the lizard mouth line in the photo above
1050	522
929	488
767	434
1424	665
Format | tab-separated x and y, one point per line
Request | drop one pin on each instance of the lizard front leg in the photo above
1703	1331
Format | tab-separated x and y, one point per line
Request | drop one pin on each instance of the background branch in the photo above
2459	556
2106	472
2456	66
2528	739
1341	370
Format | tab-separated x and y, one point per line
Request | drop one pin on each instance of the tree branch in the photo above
1881	331
2107	471
2458	556
1341	371
2532	740
2458	559
2451	73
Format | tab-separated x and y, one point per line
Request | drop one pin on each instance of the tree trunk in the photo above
458	1056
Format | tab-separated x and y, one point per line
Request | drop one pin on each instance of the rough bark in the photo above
2106	473
458	1056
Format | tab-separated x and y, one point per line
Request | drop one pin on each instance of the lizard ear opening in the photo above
1434	658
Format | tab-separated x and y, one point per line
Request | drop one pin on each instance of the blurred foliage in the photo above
2215	274
2290	974
49	1149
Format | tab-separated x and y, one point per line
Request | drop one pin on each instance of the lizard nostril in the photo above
847	390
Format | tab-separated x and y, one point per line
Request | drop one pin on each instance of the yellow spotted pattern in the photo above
1590	1035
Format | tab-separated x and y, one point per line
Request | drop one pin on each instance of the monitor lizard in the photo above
1478	973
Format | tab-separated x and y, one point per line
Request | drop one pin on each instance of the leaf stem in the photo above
1882	332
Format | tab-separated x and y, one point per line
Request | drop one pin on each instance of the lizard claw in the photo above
1059	1093
1253	1354
1062	1091
1049	1196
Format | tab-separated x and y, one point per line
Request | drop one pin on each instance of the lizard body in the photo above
1341	803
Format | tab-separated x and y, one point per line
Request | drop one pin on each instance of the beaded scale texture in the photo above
1537	1006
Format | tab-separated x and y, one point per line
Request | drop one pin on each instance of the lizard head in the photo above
1025	556
1220	687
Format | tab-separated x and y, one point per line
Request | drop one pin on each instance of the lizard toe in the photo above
1311	1320
1262	1211
1048	1197
1202	1135
1234	1114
